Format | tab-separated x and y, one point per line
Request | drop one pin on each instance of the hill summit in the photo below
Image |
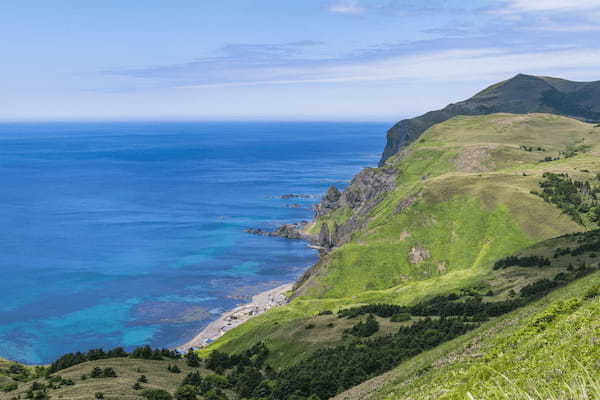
522	94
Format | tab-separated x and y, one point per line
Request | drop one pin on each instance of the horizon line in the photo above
193	120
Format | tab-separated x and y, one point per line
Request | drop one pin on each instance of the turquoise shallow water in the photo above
122	234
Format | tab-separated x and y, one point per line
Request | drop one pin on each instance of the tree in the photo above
173	369
156	394
109	373
215	394
366	328
192	359
192	379
186	392
248	381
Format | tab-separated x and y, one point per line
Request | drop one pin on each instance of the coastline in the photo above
260	303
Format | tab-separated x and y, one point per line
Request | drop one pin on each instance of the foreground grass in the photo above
548	350
586	386
121	387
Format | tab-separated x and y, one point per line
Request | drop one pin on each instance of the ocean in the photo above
125	234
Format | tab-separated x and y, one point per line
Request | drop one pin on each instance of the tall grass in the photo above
585	386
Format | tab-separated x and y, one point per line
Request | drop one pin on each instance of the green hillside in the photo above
547	350
470	181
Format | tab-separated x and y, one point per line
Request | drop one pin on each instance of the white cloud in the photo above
552	5
346	7
442	66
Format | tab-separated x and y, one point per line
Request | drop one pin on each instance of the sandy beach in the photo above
230	319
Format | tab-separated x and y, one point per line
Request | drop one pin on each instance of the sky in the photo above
378	60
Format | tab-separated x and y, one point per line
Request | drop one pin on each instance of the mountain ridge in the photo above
522	94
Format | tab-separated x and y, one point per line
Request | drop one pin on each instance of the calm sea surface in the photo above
123	234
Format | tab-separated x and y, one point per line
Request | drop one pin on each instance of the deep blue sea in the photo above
123	234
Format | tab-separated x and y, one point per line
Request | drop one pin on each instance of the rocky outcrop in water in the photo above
295	196
287	231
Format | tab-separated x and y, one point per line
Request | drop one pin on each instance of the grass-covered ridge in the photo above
469	183
463	200
547	350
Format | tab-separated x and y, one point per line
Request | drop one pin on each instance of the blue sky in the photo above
279	59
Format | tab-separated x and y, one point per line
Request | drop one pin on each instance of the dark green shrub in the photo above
186	392
402	317
9	387
365	329
156	394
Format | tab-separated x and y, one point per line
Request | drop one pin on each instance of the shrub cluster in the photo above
574	198
515	261
381	310
365	328
145	352
98	372
330	371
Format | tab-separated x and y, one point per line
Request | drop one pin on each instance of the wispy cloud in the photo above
551	15
351	7
241	62
432	66
552	5
399	7
460	50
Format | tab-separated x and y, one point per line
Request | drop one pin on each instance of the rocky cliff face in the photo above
365	191
329	202
520	95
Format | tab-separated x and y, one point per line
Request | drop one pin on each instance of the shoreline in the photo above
228	320
260	302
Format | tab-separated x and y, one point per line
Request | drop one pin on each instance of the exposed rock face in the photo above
365	191
522	94
329	202
417	255
325	237
404	204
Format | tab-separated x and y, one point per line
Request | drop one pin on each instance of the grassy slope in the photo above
542	351
472	181
128	371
